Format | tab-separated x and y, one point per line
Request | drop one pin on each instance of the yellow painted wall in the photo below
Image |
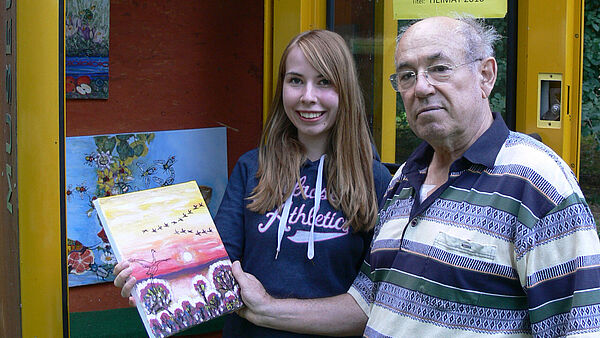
38	140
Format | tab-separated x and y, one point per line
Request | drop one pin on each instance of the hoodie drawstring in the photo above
311	237
286	212
283	222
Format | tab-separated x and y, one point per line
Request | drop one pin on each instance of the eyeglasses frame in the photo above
394	76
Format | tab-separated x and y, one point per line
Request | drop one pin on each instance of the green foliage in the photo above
498	95
127	151
590	107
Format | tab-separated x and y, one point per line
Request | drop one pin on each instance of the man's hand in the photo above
124	280
254	295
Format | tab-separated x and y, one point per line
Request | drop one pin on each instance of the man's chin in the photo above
430	132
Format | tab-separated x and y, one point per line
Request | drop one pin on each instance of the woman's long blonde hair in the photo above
349	160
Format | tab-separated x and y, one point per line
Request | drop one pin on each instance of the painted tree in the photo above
156	297
223	279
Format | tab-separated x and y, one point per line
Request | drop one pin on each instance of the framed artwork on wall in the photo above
86	44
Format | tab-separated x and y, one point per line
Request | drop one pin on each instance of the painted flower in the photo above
85	32
122	171
106	181
105	160
80	261
70	28
98	36
108	258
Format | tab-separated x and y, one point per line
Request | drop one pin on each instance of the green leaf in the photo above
140	137
124	150
124	137
104	143
139	148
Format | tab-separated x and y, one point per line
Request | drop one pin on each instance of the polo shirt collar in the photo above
485	150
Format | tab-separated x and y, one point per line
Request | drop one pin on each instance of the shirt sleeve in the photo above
362	290
558	262
230	216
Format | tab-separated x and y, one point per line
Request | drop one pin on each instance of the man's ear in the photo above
488	71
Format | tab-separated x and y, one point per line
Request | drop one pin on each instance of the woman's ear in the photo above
488	71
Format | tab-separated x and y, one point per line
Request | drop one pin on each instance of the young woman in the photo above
298	210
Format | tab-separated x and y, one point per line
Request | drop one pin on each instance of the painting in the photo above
106	165
86	45
182	270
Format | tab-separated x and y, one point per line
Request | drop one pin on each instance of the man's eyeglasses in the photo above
435	75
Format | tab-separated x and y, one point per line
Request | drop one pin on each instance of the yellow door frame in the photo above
384	102
40	157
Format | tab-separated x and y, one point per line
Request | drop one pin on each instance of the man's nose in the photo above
422	85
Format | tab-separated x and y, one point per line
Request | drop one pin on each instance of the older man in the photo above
485	231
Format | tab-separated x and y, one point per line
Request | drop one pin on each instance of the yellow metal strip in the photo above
384	119
38	182
313	14
577	68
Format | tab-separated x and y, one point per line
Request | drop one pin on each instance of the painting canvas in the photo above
86	44
182	270
113	164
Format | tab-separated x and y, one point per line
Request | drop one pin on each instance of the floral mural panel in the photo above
86	39
106	165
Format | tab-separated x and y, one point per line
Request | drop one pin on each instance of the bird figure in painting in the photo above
151	267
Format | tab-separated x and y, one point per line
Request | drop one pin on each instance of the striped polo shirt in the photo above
507	247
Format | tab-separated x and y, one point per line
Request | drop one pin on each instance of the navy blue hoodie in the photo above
251	238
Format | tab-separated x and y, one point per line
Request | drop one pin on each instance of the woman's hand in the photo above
124	280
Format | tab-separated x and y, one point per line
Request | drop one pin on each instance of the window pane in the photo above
354	20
